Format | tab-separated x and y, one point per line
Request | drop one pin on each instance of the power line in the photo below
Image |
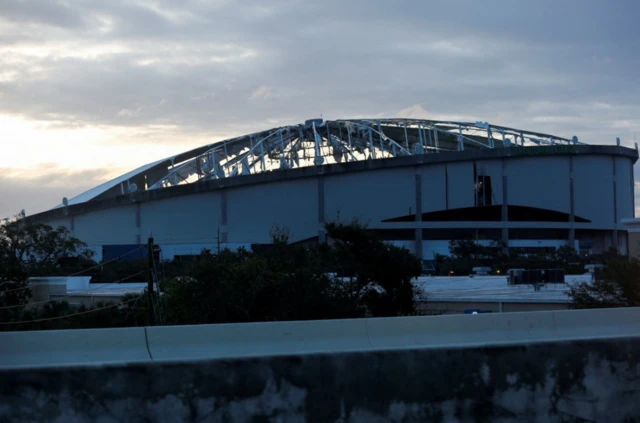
151	309
160	306
71	315
81	271
69	295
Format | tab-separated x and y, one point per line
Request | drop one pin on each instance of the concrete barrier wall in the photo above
538	366
56	348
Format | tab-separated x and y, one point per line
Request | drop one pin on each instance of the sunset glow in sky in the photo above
92	89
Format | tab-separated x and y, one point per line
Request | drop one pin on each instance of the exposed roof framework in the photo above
314	143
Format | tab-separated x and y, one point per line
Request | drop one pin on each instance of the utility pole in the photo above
150	281
218	239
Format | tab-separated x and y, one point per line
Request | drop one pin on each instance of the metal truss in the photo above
318	142
315	143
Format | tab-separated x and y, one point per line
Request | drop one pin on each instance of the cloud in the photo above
44	12
260	92
418	112
173	74
43	189
355	63
129	112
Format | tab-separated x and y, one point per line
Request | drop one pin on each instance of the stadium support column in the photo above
222	232
505	210
572	219
614	234
322	236
150	303
138	223
633	194
418	248
446	186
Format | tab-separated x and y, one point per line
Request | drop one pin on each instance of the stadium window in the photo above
482	189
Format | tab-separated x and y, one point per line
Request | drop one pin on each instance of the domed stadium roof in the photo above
314	143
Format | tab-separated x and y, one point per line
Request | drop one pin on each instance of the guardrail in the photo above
96	347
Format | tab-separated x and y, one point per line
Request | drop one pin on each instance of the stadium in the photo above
417	183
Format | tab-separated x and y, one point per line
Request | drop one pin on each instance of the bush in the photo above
355	275
617	286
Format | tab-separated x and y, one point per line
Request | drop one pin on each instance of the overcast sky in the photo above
92	89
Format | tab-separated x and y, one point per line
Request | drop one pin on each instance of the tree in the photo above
566	254
354	276
465	254
282	283
617	286
278	282
34	249
568	258
377	274
465	249
61	315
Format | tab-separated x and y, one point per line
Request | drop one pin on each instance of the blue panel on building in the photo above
126	251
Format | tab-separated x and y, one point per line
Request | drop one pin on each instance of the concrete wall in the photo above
254	210
539	183
372	191
542	366
624	184
458	307
194	219
492	169
623	242
370	196
593	185
460	185
434	188
42	287
107	226
634	244
65	223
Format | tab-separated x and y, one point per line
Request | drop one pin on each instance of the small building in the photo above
633	229
455	295
78	290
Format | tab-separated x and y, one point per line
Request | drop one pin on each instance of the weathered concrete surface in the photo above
596	380
55	348
227	341
541	366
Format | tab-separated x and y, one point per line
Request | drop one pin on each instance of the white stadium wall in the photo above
370	196
541	183
385	194
460	185
109	226
494	170
593	186
434	187
65	223
624	188
254	210
193	219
